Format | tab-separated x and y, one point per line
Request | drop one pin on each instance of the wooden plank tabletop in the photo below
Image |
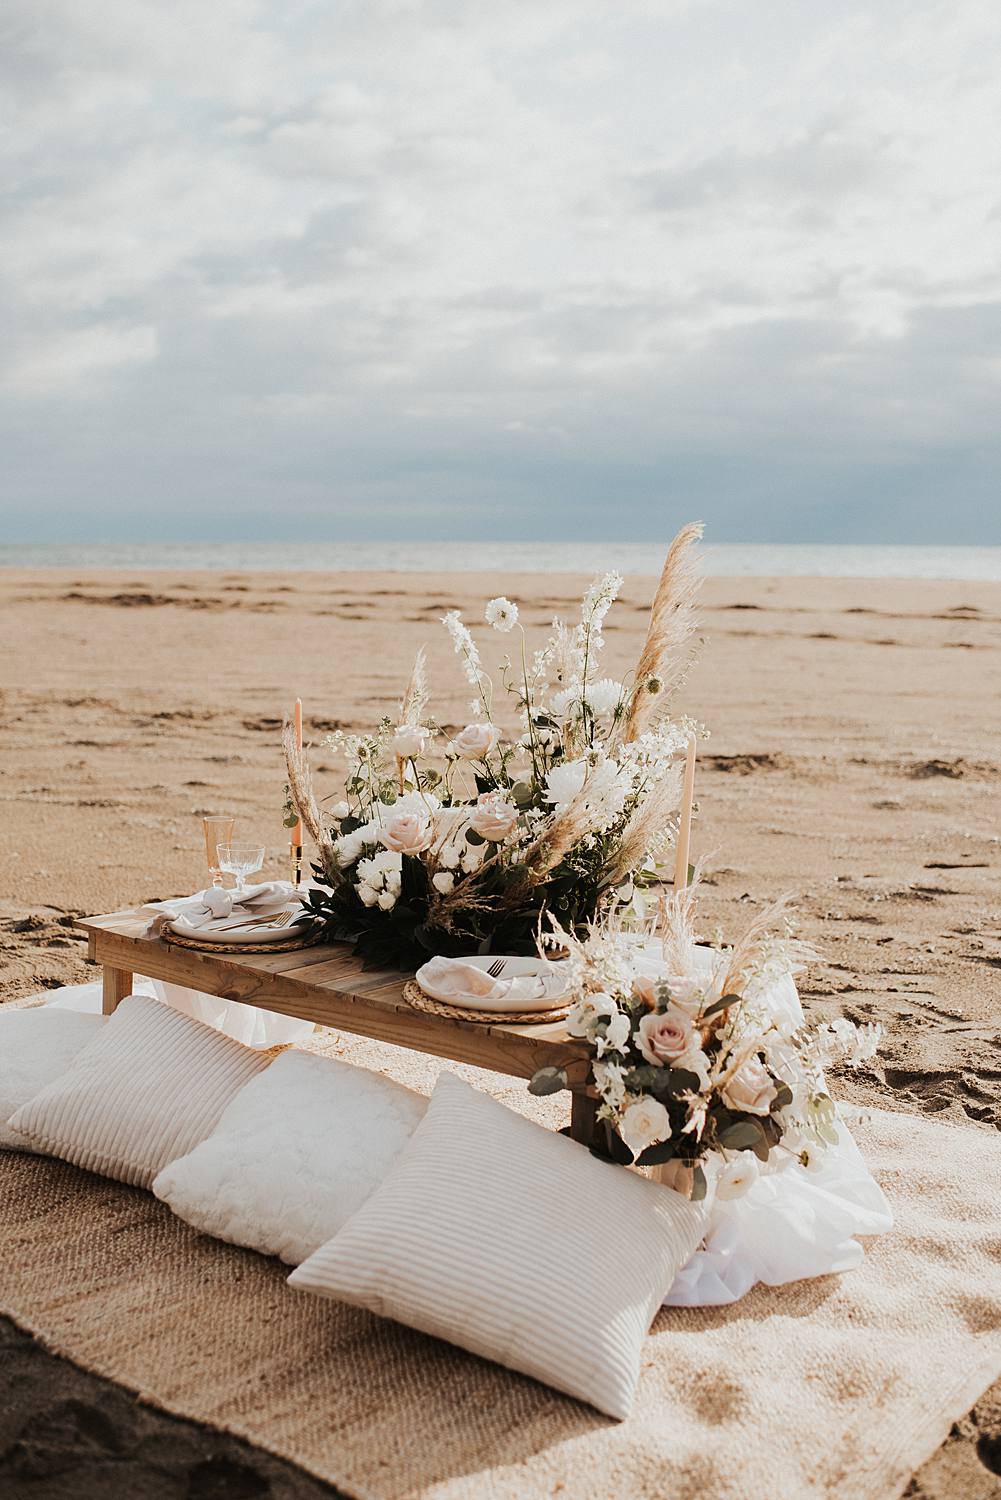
328	985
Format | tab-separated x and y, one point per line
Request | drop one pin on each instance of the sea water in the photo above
747	560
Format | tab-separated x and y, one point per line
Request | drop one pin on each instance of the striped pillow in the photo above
36	1045
516	1244
147	1089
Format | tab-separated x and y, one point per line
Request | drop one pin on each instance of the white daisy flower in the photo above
501	614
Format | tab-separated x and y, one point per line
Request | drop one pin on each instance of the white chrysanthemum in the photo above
564	782
604	696
502	614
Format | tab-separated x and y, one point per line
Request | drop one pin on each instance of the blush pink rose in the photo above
664	1039
493	817
475	742
407	833
751	1089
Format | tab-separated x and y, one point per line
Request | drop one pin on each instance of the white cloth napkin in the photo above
267	899
466	984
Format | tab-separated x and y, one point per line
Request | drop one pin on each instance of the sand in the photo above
853	761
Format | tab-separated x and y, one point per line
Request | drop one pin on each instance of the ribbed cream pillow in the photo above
515	1243
36	1045
147	1089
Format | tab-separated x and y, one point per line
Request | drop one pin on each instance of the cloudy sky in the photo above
500	268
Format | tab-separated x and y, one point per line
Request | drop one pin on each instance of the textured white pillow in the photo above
295	1154
149	1087
514	1243
35	1047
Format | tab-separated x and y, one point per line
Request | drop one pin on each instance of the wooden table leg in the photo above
117	984
583	1125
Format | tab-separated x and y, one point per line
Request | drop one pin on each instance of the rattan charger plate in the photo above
286	945
415	996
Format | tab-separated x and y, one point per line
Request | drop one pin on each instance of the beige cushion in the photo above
514	1243
295	1154
147	1089
36	1045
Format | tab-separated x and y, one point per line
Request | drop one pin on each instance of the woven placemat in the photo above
415	996
287	945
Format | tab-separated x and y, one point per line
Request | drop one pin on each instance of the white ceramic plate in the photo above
551	989
251	936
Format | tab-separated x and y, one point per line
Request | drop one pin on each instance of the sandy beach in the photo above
853	762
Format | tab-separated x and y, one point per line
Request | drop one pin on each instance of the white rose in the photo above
565	781
407	833
737	1176
493	817
644	1123
410	741
443	881
586	1012
475	742
387	900
367	896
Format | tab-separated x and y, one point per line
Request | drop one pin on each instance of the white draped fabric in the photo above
245	1023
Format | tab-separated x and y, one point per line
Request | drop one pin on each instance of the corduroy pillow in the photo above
35	1047
294	1155
516	1244
147	1089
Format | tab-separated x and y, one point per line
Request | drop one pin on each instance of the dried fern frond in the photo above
677	916
301	790
647	824
415	697
664	660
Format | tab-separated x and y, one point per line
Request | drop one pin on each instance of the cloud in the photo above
483	270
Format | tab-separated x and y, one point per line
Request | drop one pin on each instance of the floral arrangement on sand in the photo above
699	1061
460	844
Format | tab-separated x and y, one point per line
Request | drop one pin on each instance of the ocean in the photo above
722	560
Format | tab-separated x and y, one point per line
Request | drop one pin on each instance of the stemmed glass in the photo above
217	831
240	860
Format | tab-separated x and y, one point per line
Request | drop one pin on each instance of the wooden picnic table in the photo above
327	984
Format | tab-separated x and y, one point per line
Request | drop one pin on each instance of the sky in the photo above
508	269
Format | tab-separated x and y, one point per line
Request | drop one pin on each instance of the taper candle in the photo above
682	848
296	834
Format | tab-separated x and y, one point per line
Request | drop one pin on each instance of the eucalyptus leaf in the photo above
698	1185
742	1135
548	1081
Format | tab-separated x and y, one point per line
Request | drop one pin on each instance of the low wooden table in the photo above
328	985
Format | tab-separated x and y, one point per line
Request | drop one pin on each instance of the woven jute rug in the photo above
838	1387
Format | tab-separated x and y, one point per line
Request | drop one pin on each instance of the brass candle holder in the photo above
295	863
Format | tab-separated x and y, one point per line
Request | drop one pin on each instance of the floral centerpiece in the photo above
459	844
697	1064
